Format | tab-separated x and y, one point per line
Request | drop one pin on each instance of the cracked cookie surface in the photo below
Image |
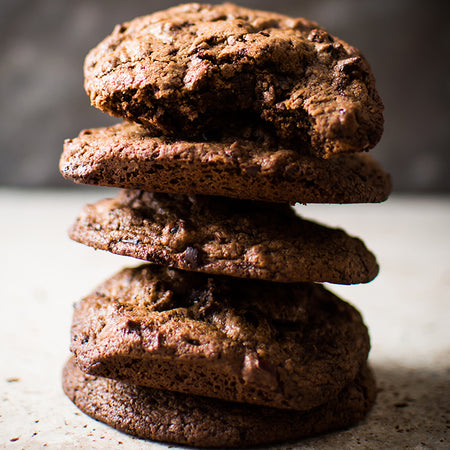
238	163
191	69
291	346
224	236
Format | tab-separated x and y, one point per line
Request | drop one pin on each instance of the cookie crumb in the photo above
401	405
13	379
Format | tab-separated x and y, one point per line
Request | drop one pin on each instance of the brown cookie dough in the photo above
224	236
282	345
251	167
194	68
203	422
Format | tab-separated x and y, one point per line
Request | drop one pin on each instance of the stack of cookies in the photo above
226	338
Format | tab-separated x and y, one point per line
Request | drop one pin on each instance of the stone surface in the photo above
406	309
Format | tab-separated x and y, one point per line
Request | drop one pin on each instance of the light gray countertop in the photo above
406	309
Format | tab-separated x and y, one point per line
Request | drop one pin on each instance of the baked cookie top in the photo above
204	422
241	163
194	68
284	345
224	236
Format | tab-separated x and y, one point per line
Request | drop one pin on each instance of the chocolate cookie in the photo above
194	68
223	236
203	422
282	345
251	167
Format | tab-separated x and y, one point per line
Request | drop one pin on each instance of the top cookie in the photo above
186	70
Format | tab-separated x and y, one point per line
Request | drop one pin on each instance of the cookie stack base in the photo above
203	422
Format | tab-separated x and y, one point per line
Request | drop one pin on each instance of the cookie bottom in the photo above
202	422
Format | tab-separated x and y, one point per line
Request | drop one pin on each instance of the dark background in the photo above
43	44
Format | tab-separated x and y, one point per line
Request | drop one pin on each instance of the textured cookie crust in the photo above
203	422
224	236
251	166
282	345
193	68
